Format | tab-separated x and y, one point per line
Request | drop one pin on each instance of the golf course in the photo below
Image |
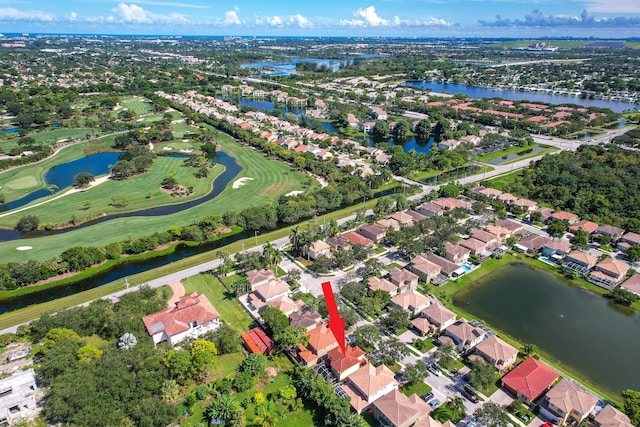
268	179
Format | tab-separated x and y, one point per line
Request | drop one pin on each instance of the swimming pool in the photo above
547	260
467	266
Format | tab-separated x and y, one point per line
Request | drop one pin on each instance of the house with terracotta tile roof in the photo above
531	244
611	417
397	410
259	277
368	384
403	279
448	268
192	316
492	193
512	226
430	422
344	364
584	225
321	341
614	233
357	239
608	273
388	223
256	341
317	248
449	203
525	204
501	232
474	246
569	217
422	325
555	248
439	316
338	242
307	319
580	262
373	232
411	301
530	380
497	353
507	198
567	402
456	253
632	284
403	218
628	240
378	284
417	216
430	209
423	268
465	335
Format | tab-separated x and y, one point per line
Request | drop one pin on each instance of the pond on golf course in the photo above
580	330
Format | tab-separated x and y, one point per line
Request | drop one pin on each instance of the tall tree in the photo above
491	414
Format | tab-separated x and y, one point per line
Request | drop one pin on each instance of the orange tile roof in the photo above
531	378
189	308
320	338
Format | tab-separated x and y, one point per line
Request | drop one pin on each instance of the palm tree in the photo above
223	408
457	405
352	420
265	419
294	238
271	254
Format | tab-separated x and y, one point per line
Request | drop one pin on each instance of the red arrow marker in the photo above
336	323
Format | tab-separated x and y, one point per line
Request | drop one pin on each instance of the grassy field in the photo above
48	137
563	44
19	182
269	180
142	191
515	150
227	306
136	104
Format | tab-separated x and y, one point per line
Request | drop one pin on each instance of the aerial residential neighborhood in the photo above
403	214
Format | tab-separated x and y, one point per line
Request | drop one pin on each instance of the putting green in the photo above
22	183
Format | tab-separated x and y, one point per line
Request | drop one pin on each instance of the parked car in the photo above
434	403
427	396
470	394
432	368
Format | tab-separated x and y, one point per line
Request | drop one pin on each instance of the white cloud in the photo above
231	18
274	21
12	14
135	14
370	16
617	6
73	16
300	21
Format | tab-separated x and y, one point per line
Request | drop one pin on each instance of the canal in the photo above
580	330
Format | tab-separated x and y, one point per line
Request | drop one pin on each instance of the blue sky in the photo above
412	18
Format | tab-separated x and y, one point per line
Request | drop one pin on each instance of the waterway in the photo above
581	330
232	169
288	67
481	92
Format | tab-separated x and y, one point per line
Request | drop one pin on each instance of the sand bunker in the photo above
294	193
241	181
24	248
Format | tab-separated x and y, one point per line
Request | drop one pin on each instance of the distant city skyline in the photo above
405	18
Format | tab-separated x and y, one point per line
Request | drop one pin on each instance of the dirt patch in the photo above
272	372
261	385
178	191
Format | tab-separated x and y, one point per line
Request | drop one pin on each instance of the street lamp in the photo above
256	236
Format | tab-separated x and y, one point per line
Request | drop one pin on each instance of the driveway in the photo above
408	336
501	397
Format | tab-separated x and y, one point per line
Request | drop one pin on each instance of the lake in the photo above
579	329
288	67
328	127
481	92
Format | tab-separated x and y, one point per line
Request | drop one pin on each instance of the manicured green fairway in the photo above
49	137
136	104
142	191
269	181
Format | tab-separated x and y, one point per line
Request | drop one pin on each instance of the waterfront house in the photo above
456	253
424	269
465	335
580	262
529	380
612	417
608	273
474	246
497	353
567	402
439	316
632	284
